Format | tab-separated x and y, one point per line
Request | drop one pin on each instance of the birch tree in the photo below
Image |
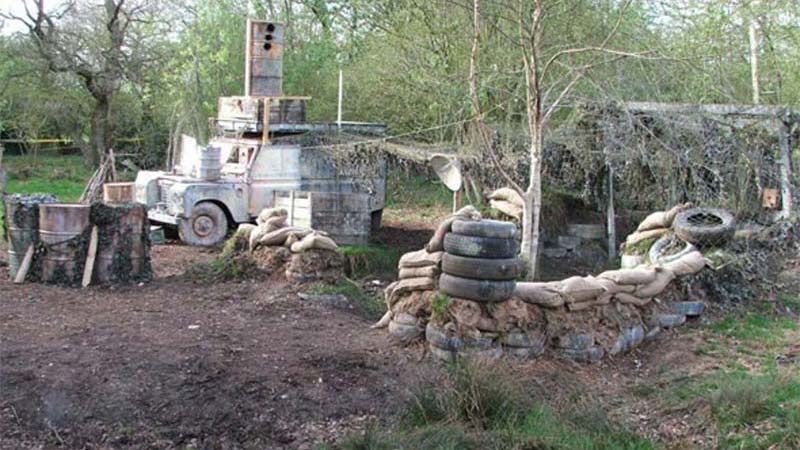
550	73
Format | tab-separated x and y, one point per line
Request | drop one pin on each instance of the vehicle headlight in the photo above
176	203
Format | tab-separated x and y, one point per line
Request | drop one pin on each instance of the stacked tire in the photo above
480	261
480	264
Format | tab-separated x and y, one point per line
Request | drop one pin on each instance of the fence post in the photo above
786	169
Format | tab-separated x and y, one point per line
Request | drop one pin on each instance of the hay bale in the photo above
315	265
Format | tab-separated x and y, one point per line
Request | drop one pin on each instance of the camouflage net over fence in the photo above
656	158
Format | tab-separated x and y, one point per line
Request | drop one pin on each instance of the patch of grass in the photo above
371	306
416	190
63	176
482	406
754	327
790	301
641	247
369	260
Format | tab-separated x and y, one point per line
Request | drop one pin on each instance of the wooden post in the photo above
611	217
339	104
88	269
22	272
786	169
248	42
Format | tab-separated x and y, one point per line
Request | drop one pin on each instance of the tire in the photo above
590	355
574	341
485	228
477	290
657	255
705	226
670	320
480	247
690	308
206	226
481	268
437	337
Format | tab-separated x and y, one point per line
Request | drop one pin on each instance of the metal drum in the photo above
118	192
121	242
210	164
22	221
59	224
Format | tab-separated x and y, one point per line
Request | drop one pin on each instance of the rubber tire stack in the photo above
480	261
480	264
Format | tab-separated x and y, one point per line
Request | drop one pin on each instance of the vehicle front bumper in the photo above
158	215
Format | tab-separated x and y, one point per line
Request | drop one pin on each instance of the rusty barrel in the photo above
22	224
118	192
59	226
121	242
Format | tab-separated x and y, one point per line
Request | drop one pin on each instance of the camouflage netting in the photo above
114	234
584	318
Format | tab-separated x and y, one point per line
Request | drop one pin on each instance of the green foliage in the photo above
416	190
439	304
363	261
641	247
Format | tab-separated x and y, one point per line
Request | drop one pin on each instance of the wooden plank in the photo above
22	272
88	269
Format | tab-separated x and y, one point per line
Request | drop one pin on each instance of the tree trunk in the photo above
100	132
532	204
754	76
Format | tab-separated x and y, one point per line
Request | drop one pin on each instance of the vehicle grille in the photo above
163	190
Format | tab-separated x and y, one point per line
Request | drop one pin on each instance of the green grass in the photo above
754	400
414	190
371	306
483	406
62	176
370	260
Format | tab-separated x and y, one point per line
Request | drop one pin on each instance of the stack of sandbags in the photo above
507	201
419	272
315	264
272	230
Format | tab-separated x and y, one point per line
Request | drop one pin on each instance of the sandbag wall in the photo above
581	318
304	254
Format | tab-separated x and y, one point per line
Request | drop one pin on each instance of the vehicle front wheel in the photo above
206	226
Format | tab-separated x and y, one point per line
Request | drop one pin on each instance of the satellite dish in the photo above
448	170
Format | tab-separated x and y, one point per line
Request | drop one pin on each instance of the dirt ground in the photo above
250	365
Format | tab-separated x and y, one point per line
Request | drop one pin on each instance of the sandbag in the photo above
268	213
687	264
415	272
383	322
409	285
601	300
420	258
507	208
508	195
612	287
630	299
669	216
436	244
657	286
404	334
314	241
244	230
290	240
639	236
653	221
465	313
580	289
630	276
275	223
545	294
256	234
278	237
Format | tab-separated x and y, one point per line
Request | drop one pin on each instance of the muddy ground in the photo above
178	364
